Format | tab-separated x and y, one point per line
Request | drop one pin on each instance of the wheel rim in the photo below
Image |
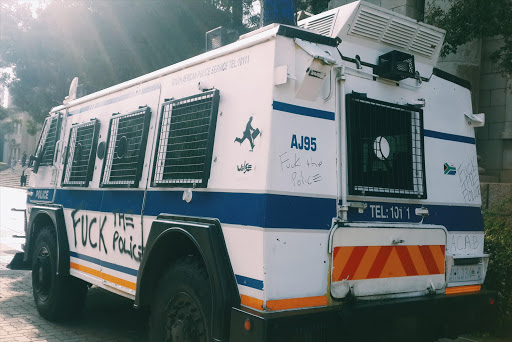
43	272
184	320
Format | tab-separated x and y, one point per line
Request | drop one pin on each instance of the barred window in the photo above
81	154
49	136
385	148
126	146
185	141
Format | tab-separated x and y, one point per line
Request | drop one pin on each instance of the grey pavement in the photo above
106	317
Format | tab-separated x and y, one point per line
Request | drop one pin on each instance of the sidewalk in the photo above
11	222
106	317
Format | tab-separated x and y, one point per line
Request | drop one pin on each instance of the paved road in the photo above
106	317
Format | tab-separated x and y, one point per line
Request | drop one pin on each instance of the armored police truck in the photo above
316	182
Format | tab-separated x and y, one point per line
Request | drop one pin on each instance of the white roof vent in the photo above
386	27
321	24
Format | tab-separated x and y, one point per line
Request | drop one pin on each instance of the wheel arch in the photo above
172	237
44	217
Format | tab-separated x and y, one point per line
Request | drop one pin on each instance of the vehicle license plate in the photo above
465	273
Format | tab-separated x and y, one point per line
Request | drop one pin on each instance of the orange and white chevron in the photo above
373	262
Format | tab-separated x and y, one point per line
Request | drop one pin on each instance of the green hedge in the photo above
498	243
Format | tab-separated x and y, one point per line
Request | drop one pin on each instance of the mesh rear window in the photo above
126	148
185	141
385	144
81	154
49	136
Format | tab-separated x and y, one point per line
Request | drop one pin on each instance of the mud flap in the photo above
17	263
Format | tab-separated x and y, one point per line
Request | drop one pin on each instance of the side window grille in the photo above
385	145
49	137
126	146
185	141
81	154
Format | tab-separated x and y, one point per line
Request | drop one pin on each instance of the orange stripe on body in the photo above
380	262
393	267
104	276
463	289
353	263
406	260
296	303
438	254
430	262
366	263
417	258
252	302
340	258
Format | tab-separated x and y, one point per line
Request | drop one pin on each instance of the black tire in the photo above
60	296
181	307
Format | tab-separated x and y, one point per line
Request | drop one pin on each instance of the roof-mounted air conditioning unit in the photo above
396	65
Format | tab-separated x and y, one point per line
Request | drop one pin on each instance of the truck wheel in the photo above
181	307
56	296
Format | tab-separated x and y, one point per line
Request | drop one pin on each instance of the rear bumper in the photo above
407	319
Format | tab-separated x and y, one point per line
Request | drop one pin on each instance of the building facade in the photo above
19	141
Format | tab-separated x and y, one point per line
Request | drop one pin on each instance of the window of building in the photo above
185	141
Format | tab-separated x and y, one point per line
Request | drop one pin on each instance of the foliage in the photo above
6	125
467	20
498	244
312	6
32	127
101	42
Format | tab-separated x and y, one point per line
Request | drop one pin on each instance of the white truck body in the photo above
301	229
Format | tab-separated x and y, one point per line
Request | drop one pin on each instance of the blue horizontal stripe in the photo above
249	282
452	217
314	113
450	137
106	264
260	210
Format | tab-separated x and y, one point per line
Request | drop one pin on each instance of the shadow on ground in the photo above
106	317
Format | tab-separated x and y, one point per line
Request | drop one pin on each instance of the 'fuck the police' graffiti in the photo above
90	230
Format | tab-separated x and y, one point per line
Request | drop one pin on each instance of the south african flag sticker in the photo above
449	169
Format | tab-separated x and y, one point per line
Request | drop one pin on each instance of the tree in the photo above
466	20
312	6
101	42
6	125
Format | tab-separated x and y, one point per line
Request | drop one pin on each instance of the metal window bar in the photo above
386	152
51	135
126	148
42	138
185	141
81	154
